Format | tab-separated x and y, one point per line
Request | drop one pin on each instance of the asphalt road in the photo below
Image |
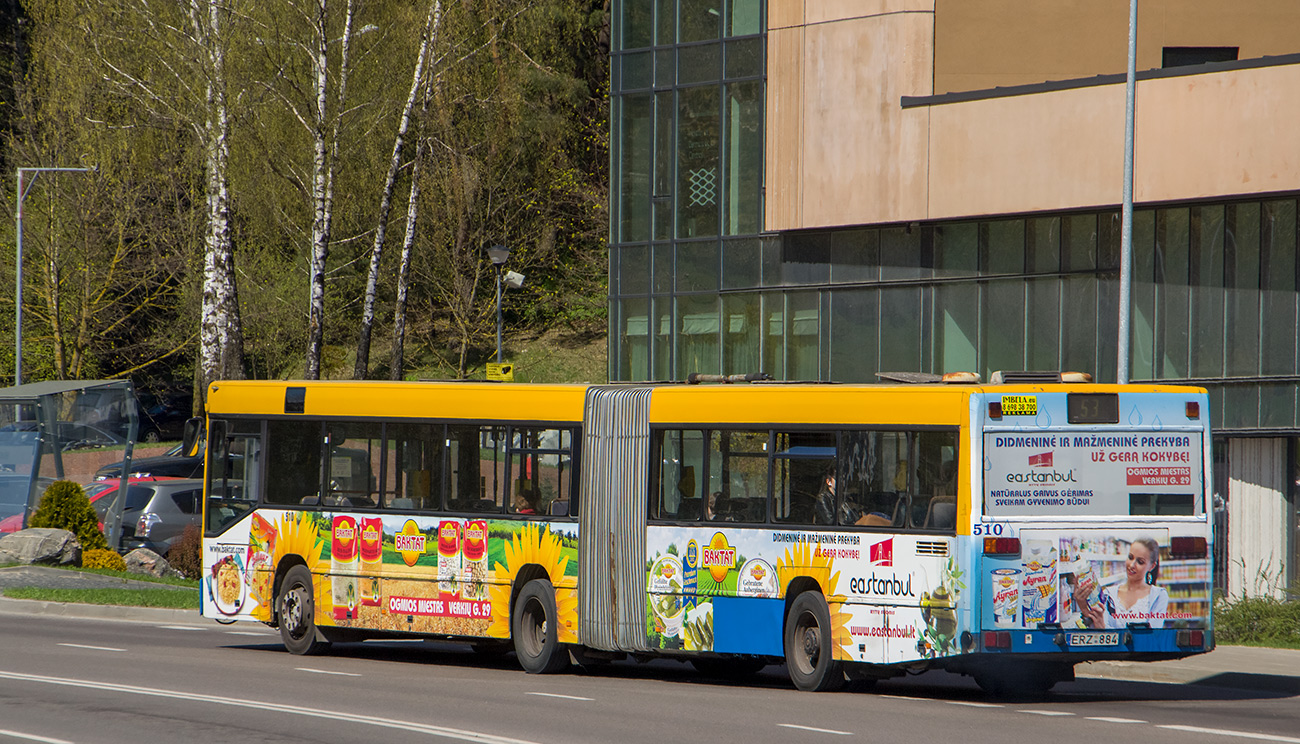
74	680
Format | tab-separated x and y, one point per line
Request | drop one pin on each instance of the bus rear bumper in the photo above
1133	643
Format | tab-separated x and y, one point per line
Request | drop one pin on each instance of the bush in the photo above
64	506
185	555
1258	620
107	559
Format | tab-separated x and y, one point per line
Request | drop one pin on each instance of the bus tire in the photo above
295	606
809	646
533	624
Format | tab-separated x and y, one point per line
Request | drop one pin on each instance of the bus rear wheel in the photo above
533	626
295	606
809	649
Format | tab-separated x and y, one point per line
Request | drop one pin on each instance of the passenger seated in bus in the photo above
824	504
526	499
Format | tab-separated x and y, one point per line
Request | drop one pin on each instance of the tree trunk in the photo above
325	157
221	337
362	368
396	371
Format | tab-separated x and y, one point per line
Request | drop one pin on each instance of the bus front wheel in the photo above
296	608
809	647
533	629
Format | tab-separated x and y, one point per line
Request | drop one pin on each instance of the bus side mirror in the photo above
190	437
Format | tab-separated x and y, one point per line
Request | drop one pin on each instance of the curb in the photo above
99	612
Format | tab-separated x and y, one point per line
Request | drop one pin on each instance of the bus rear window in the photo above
1054	473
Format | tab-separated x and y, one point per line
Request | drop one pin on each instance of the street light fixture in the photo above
18	274
499	254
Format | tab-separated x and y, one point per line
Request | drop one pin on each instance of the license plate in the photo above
1094	639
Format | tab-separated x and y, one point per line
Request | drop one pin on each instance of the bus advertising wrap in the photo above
1055	473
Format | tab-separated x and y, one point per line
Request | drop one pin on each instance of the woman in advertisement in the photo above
1137	600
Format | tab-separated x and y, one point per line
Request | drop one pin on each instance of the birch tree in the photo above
427	40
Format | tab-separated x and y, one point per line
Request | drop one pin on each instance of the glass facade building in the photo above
698	284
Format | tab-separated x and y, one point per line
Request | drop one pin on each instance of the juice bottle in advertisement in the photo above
1006	596
449	534
372	559
344	555
1038	590
473	580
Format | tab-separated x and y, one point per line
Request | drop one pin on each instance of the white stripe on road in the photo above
1108	719
248	633
566	697
325	671
1047	712
816	730
972	705
329	715
92	648
1228	732
183	627
32	737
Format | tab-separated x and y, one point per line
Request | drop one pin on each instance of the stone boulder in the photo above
145	561
41	545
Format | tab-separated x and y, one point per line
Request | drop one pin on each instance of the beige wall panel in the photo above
1027	153
783	148
825	11
784	13
1226	133
1197	136
981	44
863	156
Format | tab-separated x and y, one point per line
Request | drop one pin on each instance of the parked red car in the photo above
101	496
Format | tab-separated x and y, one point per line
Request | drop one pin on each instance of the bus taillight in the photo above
1192	638
1188	547
1001	546
995	409
997	639
1193	409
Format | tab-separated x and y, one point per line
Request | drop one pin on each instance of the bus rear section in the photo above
1092	535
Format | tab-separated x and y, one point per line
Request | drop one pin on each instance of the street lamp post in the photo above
499	254
18	273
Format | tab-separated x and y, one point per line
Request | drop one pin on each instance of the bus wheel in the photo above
808	645
296	609
533	629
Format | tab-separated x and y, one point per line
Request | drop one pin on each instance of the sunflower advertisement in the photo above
398	573
723	591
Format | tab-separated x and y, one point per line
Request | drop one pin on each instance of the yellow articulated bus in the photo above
1007	531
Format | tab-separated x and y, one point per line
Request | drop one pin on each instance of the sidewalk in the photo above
1240	667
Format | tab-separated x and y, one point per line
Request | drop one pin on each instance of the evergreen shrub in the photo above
64	506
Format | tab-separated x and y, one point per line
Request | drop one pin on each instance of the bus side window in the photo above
933	481
681	467
293	462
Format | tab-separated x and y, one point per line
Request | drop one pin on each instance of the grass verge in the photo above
175	599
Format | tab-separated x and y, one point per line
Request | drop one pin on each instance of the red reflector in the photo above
1001	546
1198	638
1188	547
995	409
997	639
1193	409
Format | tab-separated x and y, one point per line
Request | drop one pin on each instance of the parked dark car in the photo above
162	416
156	513
172	465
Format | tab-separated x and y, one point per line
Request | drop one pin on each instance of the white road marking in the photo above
247	633
1108	719
816	730
326	671
32	737
906	697
566	697
183	627
329	715
972	705
92	648
1047	712
1228	732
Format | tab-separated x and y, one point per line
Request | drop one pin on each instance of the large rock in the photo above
145	561
41	545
